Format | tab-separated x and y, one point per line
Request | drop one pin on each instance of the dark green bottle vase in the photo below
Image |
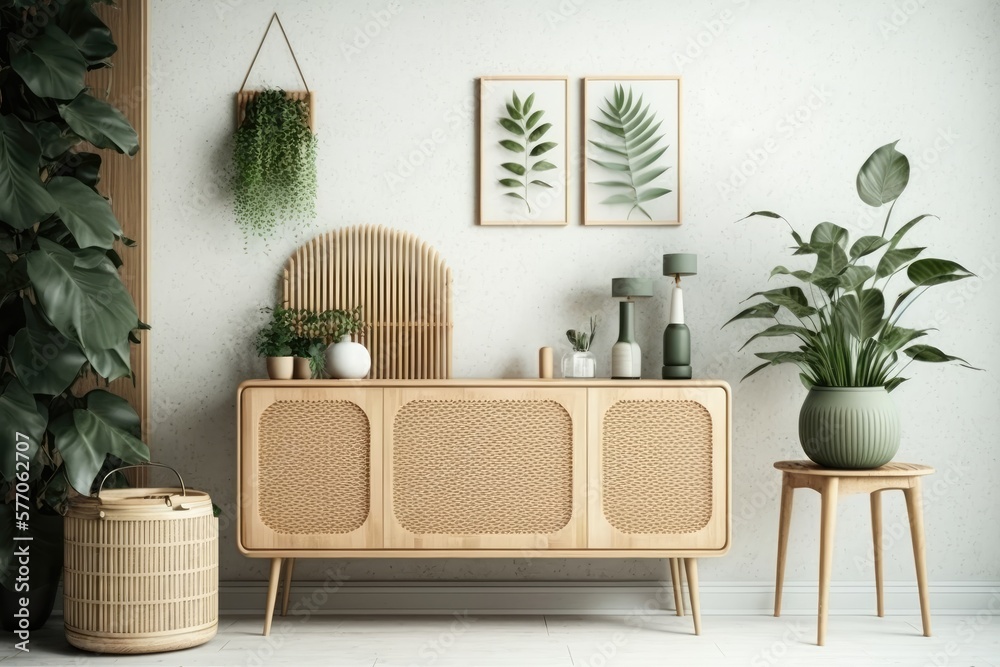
852	428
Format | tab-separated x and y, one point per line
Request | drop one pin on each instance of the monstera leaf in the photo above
108	425
632	148
522	123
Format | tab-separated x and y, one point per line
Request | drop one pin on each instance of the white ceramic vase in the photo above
347	360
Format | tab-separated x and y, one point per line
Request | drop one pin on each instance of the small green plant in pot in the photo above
274	164
274	342
850	346
580	362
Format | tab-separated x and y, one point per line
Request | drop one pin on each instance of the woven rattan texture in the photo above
482	467
657	466
314	467
135	577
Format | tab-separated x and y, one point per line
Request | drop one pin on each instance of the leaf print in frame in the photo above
523	151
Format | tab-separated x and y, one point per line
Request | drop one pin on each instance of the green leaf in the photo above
866	245
49	63
511	126
511	183
779	330
653	193
527	104
765	214
756	311
514	195
827	233
619	199
543	147
792	298
19	413
616	184
781	357
649	159
862	313
514	113
853	277
100	123
45	361
85	437
512	145
643	179
883	176
894	338
933	355
782	271
898	236
932	271
609	148
534	118
894	382
87	31
82	295
542	165
539	131
541	183
613	166
85	213
13	275
895	258
23	199
617	131
517	101
51	138
514	167
756	370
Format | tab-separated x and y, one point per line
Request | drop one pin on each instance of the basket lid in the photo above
159	500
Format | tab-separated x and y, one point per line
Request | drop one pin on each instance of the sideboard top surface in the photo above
486	382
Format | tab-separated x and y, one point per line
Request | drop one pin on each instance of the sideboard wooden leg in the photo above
678	585
876	502
691	568
287	586
272	593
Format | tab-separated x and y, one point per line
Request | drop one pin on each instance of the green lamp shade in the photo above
680	264
631	287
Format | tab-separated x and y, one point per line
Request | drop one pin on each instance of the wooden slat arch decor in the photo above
402	285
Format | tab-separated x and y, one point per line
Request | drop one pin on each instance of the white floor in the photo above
559	641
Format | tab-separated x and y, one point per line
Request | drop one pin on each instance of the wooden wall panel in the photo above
125	180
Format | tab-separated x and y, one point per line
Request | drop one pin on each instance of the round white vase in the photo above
348	360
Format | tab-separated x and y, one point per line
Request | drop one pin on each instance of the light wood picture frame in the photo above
631	150
524	150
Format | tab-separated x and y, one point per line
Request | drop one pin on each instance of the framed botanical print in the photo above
631	150
523	150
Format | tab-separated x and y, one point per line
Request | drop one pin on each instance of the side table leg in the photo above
830	488
272	593
915	510
876	501
691	569
678	586
784	519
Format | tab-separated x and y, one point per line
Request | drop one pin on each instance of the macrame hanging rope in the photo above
274	17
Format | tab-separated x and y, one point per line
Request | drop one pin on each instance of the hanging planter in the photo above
274	154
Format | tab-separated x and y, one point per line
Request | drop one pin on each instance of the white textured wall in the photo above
794	95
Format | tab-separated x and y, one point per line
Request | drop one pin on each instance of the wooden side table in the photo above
830	484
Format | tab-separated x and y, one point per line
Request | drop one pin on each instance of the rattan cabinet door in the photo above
659	468
310	468
485	468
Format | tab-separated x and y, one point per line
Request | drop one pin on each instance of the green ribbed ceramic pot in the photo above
853	428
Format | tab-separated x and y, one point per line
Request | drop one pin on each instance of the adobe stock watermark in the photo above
785	129
901	14
697	44
434	648
968	629
377	23
458	117
565	10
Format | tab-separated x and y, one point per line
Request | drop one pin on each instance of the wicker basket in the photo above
141	570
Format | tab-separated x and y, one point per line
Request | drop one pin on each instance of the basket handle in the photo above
143	465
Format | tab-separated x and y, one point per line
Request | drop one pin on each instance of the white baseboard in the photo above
958	598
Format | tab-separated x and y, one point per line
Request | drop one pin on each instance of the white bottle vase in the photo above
348	360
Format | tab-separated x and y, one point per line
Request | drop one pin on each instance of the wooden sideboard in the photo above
484	468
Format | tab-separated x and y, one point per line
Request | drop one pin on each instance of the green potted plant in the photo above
64	310
346	359
274	164
580	362
274	342
851	348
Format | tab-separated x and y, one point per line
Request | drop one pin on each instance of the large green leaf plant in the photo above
64	310
847	333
